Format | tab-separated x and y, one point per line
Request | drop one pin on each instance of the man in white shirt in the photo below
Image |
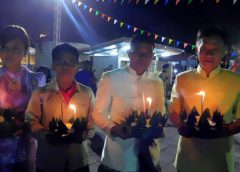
119	93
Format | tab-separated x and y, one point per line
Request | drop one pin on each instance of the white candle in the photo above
149	101
73	107
202	94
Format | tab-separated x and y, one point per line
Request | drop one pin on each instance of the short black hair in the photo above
138	39
64	48
12	32
209	31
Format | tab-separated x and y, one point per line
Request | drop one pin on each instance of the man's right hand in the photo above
118	131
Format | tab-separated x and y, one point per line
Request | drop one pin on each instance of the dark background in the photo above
179	22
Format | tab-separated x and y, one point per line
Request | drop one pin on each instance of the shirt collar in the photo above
131	71
53	85
214	73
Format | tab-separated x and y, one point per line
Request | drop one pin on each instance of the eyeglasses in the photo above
16	51
143	55
65	63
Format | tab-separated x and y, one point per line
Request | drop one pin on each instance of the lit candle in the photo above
149	101
73	107
202	94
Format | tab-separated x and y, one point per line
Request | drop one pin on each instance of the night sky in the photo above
78	25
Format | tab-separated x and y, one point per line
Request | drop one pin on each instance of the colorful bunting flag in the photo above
177	2
135	29
146	1
166	1
189	2
177	43
121	24
79	3
156	1
103	15
163	38
96	13
115	21
129	26
90	10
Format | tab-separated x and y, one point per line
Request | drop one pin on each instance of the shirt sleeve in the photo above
102	106
163	108
33	112
91	105
175	101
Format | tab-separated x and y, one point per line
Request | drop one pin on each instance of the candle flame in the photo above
201	93
73	107
149	100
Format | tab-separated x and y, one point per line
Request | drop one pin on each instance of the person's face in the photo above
141	57
12	53
210	51
65	66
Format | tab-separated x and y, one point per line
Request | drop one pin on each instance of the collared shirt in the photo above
46	103
119	93
222	92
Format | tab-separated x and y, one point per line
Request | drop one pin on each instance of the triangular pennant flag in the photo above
148	34
85	7
189	2
129	26
170	41
146	1
135	29
177	43
122	2
166	1
142	31
97	12
163	38
79	3
177	2
156	36
137	1
234	1
109	18
185	45
193	47
90	10
103	15
115	21
156	1
121	24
